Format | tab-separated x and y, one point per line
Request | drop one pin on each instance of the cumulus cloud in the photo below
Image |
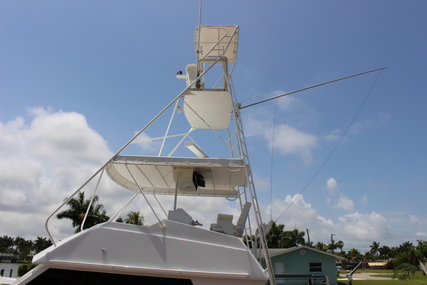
355	229
337	198
345	203
366	227
332	186
146	143
289	140
41	163
295	212
286	138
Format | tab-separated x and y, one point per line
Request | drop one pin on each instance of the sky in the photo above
79	78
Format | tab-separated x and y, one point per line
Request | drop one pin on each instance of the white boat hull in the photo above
175	251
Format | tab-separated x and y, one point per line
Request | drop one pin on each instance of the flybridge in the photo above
201	151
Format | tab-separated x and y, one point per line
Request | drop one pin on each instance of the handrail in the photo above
145	197
117	153
91	200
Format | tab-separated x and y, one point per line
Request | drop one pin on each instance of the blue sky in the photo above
99	70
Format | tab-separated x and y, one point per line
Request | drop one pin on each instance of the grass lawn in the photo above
418	278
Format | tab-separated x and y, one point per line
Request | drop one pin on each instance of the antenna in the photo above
198	40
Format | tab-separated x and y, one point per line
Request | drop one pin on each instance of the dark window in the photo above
315	267
73	277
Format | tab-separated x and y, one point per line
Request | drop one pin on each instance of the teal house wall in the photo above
304	260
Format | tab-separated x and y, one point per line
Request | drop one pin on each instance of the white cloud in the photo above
41	163
335	195
63	138
287	103
289	140
147	144
297	213
332	186
365	227
364	200
421	234
345	203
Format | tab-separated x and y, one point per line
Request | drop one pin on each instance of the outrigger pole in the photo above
310	87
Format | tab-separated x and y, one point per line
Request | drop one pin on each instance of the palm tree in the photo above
275	235
321	246
375	246
339	244
385	252
292	238
23	247
41	243
354	254
6	244
77	212
134	219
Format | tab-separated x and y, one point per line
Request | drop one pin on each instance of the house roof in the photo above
279	251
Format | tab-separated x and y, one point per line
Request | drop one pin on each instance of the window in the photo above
315	267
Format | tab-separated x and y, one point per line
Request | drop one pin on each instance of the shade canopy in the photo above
217	41
183	176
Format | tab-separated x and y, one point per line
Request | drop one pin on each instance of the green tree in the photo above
275	235
77	211
23	247
354	254
321	246
6	244
375	246
134	218
41	243
385	252
292	238
421	250
404	271
407	254
339	244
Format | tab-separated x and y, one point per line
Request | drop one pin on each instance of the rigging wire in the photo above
254	96
271	162
335	147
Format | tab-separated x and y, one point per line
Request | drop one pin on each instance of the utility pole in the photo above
332	243
308	238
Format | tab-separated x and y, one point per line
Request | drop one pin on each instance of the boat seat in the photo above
181	216
225	222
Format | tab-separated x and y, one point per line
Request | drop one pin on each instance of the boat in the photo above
201	152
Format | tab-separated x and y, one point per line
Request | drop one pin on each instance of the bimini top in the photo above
177	175
217	41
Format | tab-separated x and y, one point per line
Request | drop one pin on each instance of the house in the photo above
304	265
